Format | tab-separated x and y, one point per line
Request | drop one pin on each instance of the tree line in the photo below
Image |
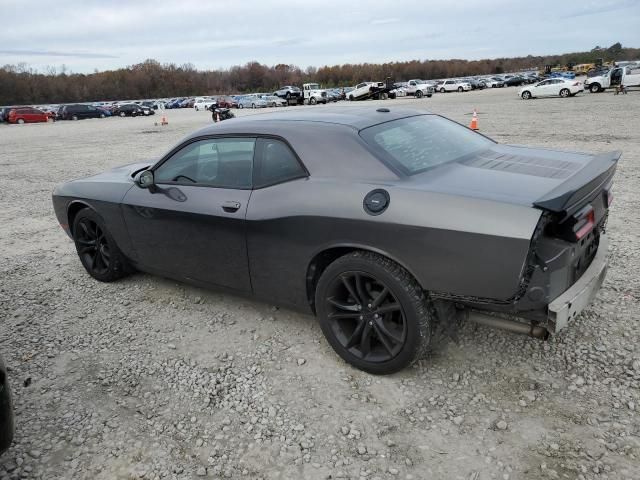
21	85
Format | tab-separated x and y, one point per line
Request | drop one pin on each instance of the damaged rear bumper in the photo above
575	299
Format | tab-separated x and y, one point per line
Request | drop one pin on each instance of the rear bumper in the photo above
575	299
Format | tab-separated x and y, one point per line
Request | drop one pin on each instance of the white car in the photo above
274	101
454	86
551	87
364	89
203	103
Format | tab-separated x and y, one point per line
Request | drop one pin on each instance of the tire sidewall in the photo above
414	344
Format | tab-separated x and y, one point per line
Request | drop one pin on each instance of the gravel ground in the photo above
148	378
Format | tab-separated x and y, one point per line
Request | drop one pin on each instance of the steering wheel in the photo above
183	176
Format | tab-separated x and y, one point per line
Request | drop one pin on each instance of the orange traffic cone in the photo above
164	120
474	121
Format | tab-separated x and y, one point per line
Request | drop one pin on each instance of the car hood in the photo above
520	175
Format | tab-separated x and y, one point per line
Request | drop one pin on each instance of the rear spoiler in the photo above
591	179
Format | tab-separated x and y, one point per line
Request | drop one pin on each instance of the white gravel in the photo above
148	378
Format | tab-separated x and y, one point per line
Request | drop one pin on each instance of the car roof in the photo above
354	117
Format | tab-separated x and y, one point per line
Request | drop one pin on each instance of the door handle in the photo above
230	206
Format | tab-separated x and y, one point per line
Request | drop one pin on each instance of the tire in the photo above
429	95
526	95
20	121
253	105
240	106
288	95
312	101
418	93
350	98
442	90
102	115
460	89
97	250
396	336
594	88
74	117
122	114
565	93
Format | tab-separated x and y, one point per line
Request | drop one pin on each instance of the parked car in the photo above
79	112
106	110
251	101
514	81
203	103
475	83
6	409
129	110
288	91
385	223
419	88
493	82
273	101
4	113
552	87
454	86
365	90
27	115
227	101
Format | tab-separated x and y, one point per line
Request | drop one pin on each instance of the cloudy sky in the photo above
86	35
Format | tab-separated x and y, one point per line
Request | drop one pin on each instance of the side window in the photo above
214	162
276	163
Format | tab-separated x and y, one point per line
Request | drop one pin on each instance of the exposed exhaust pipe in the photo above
505	324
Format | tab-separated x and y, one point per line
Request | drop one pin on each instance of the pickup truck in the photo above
629	76
419	88
365	90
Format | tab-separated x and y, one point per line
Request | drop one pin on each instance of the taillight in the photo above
585	221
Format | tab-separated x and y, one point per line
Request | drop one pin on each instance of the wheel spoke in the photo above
384	331
350	289
356	335
85	229
343	306
98	263
365	341
337	316
90	243
383	339
380	298
87	249
390	307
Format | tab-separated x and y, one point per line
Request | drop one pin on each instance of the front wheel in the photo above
594	88
20	121
418	94
460	89
98	252
373	313
312	101
442	90
122	114
564	93
526	95
75	117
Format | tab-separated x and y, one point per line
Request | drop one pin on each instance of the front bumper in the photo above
575	299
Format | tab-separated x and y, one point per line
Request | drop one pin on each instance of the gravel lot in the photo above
148	378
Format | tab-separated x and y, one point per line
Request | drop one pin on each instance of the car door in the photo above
539	89
555	86
191	223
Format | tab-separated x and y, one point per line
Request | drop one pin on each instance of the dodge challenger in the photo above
387	224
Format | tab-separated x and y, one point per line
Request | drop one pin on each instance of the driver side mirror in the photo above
145	180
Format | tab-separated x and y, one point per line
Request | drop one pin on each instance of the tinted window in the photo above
276	163
417	143
219	162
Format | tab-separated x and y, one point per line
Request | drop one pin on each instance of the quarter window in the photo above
218	162
276	164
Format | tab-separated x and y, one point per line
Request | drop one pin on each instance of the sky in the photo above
88	35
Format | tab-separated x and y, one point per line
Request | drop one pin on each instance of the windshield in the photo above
416	144
313	86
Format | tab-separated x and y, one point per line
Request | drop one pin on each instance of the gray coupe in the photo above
386	224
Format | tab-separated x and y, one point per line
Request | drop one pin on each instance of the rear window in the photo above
416	144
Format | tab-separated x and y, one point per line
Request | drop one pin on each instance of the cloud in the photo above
384	21
602	7
48	53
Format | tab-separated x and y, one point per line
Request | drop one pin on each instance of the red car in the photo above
226	102
27	115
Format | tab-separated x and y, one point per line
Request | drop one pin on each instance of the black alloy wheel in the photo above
373	312
98	252
93	247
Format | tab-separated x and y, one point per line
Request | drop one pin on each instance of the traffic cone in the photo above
474	121
164	120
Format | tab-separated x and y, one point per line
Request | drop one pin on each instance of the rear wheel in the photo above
98	252
564	93
373	313
74	117
122	114
526	95
442	90
20	121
